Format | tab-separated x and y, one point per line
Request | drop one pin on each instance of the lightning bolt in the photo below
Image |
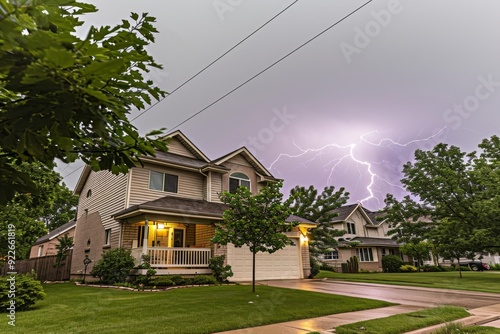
349	152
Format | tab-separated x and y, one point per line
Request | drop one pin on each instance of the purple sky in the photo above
349	108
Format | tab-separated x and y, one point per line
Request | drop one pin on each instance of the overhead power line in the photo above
213	62
270	66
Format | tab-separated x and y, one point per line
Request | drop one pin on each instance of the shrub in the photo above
114	266
462	268
324	266
408	268
178	279
315	267
495	266
429	268
391	263
220	271
203	279
26	290
163	281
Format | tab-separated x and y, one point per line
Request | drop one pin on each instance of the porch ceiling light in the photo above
161	226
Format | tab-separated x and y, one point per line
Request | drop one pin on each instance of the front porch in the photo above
175	260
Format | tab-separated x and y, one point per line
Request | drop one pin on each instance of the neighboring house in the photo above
168	209
365	238
46	245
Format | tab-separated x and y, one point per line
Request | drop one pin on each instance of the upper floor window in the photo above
237	180
89	193
351	228
107	237
163	182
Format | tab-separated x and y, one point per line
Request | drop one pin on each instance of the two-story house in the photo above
365	238
168	208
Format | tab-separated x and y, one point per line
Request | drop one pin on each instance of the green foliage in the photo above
23	289
315	266
407	268
114	266
428	268
220	271
65	243
324	266
67	97
352	265
319	208
145	279
50	205
457	200
419	251
203	279
257	221
391	263
495	266
178	279
163	282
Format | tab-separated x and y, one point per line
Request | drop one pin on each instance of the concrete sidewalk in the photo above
487	316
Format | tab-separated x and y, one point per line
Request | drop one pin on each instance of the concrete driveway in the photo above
404	295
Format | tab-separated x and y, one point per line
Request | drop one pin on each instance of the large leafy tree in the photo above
257	221
66	97
50	205
457	204
319	208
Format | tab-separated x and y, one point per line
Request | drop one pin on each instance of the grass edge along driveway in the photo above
471	281
72	309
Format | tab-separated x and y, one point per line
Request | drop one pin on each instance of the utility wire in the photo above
213	62
270	66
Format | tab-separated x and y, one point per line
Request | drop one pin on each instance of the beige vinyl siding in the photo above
176	147
190	184
240	168
108	197
216	187
240	160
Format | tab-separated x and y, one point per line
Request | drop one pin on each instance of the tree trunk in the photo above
459	268
253	272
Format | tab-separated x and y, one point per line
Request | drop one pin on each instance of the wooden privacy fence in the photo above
44	267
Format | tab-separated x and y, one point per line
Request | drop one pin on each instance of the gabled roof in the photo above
366	241
188	144
243	151
56	232
346	211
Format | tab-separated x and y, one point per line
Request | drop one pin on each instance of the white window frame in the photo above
40	250
151	172
365	254
107	237
240	177
333	255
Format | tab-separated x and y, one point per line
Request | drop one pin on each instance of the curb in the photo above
474	320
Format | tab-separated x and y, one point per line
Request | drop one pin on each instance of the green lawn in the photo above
402	323
472	281
72	309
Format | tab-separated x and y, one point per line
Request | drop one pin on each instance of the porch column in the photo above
145	238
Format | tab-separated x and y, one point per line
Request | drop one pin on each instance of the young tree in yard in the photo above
457	200
66	97
306	203
257	221
63	248
50	205
419	251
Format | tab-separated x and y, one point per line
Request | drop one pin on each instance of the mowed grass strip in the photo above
402	323
471	281
72	309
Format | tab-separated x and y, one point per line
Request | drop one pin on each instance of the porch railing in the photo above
167	257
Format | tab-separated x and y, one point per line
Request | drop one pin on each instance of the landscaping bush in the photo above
220	271
324	266
429	268
391	263
463	268
178	279
203	279
408	268
315	267
114	266
495	266
163	281
23	289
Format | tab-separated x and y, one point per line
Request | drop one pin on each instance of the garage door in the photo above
282	264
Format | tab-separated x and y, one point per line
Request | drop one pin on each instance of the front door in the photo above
178	237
